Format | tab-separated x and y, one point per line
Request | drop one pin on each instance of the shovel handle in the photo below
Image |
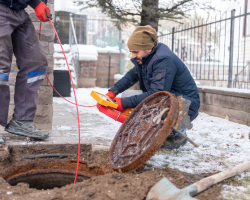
157	120
186	137
211	180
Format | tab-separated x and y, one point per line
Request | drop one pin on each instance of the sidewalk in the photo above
65	128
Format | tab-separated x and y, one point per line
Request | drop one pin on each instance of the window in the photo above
247	19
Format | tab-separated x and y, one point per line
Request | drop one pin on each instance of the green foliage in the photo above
130	65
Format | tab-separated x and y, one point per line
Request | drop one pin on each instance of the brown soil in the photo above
110	186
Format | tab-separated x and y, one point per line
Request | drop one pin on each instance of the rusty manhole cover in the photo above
140	137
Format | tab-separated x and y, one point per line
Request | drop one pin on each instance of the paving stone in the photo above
100	147
63	119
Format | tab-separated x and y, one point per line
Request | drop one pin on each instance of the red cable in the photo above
62	96
67	100
50	82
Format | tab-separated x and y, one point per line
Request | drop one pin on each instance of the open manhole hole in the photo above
47	181
48	175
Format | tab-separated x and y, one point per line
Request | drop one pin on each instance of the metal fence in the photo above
73	42
99	32
108	37
217	53
105	33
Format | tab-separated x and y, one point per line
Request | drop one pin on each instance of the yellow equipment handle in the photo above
103	99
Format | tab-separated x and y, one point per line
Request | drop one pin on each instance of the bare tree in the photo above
144	12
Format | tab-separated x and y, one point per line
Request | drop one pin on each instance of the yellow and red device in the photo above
103	99
108	107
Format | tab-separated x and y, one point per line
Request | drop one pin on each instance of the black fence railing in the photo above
216	53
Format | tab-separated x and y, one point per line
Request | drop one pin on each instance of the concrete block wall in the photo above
44	113
223	103
87	73
103	69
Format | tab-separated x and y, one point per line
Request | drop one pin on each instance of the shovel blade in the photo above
165	190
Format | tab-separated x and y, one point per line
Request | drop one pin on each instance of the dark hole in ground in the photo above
119	186
47	181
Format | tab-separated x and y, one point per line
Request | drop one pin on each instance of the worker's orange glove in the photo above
119	103
110	94
42	11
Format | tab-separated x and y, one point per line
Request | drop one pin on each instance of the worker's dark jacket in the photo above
161	70
21	4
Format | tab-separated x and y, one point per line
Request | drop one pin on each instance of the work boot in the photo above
1	140
175	141
26	128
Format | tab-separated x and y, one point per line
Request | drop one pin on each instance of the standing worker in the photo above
18	36
156	68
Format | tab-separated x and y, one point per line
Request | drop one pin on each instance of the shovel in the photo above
165	190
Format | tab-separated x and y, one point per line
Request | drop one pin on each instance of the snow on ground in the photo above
236	90
223	144
239	192
105	129
87	52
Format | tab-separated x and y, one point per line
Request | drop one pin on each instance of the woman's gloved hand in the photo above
110	94
42	11
119	103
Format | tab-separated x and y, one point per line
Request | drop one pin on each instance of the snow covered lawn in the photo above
223	144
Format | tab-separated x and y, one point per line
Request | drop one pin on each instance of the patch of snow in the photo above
87	52
244	175
59	60
233	192
62	128
57	48
118	76
107	127
236	90
223	144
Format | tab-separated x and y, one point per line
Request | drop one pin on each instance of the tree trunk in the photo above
147	18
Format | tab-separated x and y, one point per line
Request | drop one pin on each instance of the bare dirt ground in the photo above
115	185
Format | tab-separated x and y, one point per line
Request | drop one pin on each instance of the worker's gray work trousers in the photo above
18	36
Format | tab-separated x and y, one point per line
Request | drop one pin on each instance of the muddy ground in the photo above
115	186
